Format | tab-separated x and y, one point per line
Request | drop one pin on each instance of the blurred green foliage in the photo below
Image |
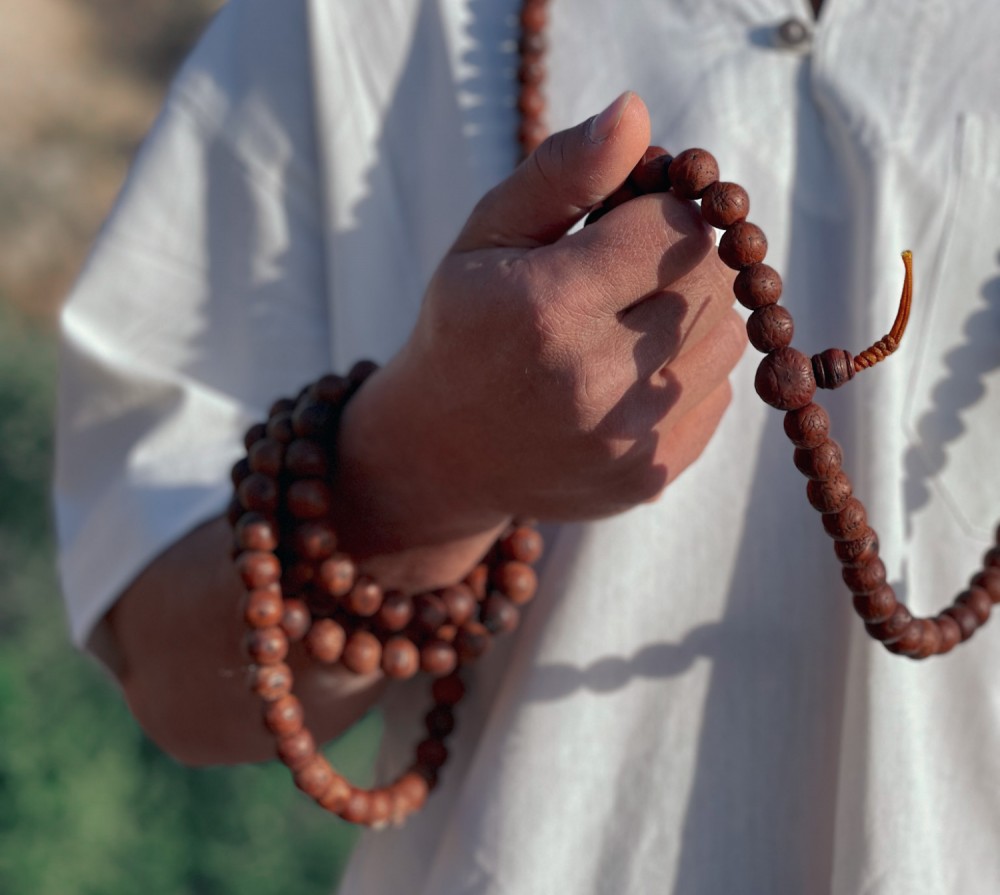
87	805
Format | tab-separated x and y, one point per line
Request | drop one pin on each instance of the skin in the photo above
548	375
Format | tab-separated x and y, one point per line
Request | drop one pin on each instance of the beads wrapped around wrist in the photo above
300	588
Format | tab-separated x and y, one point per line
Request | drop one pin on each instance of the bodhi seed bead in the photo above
951	633
448	690
860	551
335	797
325	640
263	607
400	658
877	606
295	751
306	459
724	204
651	174
395	612
314	541
362	653
284	716
315	777
266	456
259	492
821	462
429	611
989	581
909	641
499	615
460	603
864	579
254	532
930	641
364	599
978	601
438	658
308	499
692	172
741	245
848	523
770	328
757	286
295	619
336	575
432	753
271	682
523	544
893	627
440	722
808	426
516	580
829	495
472	641
965	617
258	569
358	807
267	646
785	379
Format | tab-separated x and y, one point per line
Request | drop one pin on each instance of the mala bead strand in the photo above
787	379
300	588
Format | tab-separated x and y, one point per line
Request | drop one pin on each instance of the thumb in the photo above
561	180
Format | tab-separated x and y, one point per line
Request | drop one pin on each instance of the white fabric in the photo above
690	706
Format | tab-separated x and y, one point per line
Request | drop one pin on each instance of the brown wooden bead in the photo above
478	579
314	541
364	599
284	716
515	580
432	753
413	789
315	419
829	495
530	100
992	558
846	524
254	532
910	641
651	174
472	641
499	615
807	427
692	172
400	658
325	640
893	627
833	367
380	809
440	722
523	544
860	551
784	379
266	456
864	579
315	777
821	462
447	633
331	388
307	459
448	690
295	619
951	633
724	204
263	607
978	600
989	581
279	427
532	43
359	372
967	621
258	569
335	797
259	492
438	657
234	510
296	750
308	499
757	286
336	575
271	682
875	606
741	245
460	603
254	434
532	72
240	471
770	327
362	653
930	642
267	646
429	612
357	808
395	612
534	17
280	406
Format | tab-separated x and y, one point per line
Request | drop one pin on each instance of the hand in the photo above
553	375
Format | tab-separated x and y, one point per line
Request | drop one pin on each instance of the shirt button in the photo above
792	34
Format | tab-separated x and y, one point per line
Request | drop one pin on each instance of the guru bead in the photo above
833	367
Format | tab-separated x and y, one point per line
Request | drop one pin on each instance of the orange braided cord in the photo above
890	342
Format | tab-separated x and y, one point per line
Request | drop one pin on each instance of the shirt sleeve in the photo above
202	301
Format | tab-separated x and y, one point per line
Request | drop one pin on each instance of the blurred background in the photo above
87	805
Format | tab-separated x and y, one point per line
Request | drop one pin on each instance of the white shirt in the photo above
690	705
